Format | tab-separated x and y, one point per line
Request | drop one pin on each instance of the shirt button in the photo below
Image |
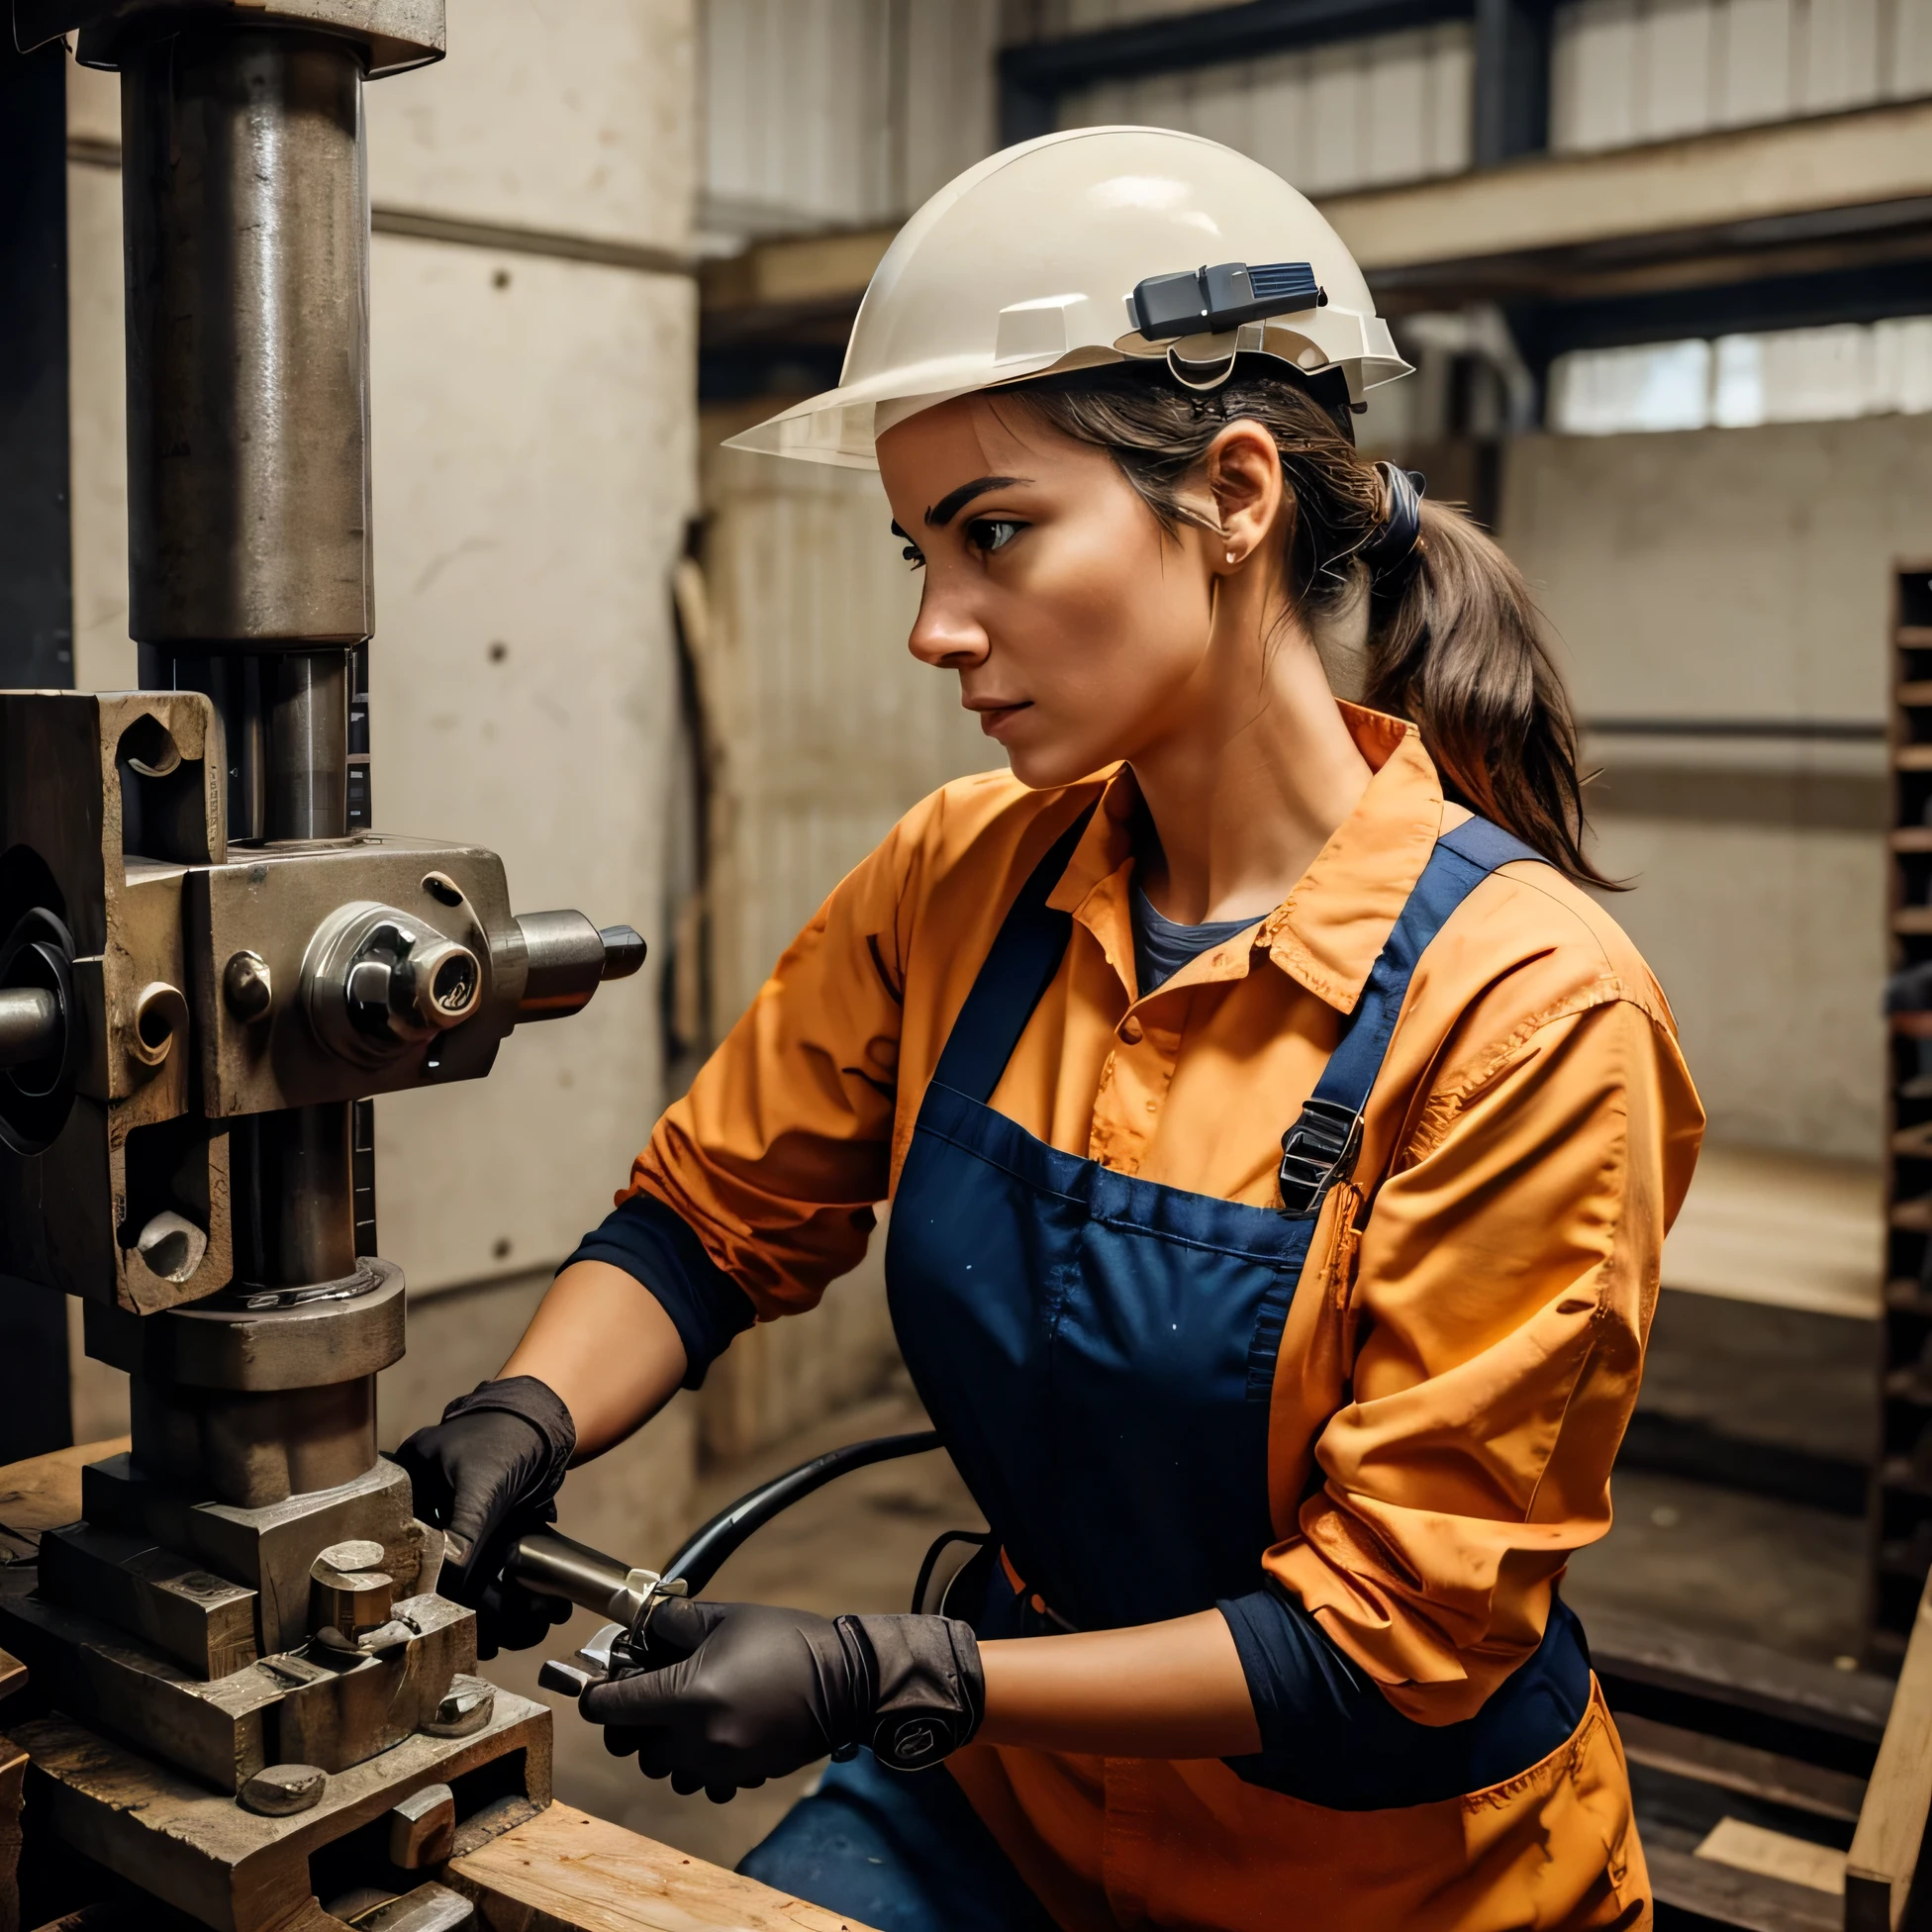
1131	1032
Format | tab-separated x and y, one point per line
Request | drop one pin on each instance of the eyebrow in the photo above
949	506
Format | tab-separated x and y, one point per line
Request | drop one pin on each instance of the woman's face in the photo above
1078	628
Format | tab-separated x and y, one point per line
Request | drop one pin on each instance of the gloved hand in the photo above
762	1691
485	1475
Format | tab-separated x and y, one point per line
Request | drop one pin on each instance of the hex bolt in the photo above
466	1708
367	991
446	981
348	1594
247	986
358	1553
281	1790
422	1827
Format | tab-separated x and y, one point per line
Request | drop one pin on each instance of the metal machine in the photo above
254	1704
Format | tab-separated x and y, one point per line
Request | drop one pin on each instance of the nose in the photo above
947	634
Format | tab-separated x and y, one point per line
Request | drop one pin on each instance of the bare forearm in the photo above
1162	1691
603	1341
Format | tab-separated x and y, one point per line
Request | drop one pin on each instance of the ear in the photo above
1244	475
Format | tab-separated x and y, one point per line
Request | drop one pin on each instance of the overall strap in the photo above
1026	953
1319	1149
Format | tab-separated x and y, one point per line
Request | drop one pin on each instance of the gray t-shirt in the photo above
1162	946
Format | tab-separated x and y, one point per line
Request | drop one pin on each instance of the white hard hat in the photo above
1080	248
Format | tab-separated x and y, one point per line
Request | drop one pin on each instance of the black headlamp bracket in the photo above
1212	301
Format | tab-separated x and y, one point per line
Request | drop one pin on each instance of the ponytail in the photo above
1454	642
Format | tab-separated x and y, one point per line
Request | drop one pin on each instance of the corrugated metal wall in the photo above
1391	108
828	731
831	729
1635	70
840	113
850	112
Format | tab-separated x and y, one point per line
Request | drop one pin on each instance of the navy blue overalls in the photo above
1097	1352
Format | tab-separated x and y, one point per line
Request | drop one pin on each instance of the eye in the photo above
990	534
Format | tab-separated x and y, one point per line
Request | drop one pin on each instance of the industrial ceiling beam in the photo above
1829	217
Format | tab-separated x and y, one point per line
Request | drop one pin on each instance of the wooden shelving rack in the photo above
1902	1494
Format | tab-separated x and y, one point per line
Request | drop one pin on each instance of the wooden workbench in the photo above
562	1870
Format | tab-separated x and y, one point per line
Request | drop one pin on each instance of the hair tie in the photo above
1394	541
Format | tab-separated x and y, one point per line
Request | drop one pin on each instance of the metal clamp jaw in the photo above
557	1566
1318	1150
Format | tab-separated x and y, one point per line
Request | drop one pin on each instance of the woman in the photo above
1280	1143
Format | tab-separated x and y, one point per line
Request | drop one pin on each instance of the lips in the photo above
995	717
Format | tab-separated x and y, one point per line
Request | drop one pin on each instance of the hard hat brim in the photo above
840	426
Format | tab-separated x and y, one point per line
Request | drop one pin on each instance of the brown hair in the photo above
1455	645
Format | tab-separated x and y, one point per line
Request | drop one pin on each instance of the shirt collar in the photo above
1327	932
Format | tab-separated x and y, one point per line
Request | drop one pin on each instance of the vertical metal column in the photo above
246	224
245	201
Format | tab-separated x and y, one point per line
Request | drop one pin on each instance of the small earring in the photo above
1230	557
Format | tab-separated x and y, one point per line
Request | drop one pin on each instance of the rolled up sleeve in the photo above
1497	1318
777	1155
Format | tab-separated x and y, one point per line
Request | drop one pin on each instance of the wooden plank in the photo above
1849	1703
44	1491
1742	1768
567	1872
1775	1855
1746	1899
1891	1825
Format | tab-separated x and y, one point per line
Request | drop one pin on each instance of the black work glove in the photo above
485	1475
764	1691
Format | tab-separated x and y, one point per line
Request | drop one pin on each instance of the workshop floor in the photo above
1682	1551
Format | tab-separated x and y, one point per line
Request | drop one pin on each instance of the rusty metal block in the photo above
422	1828
264	911
106	801
337	1718
240	1873
270	1549
216	1732
205	1623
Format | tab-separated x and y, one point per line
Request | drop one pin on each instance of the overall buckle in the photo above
1318	1150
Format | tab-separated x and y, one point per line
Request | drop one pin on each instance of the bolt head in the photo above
247	986
281	1790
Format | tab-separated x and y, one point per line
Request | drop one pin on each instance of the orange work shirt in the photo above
1454	1377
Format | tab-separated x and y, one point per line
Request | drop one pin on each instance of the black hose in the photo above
706	1552
554	1565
